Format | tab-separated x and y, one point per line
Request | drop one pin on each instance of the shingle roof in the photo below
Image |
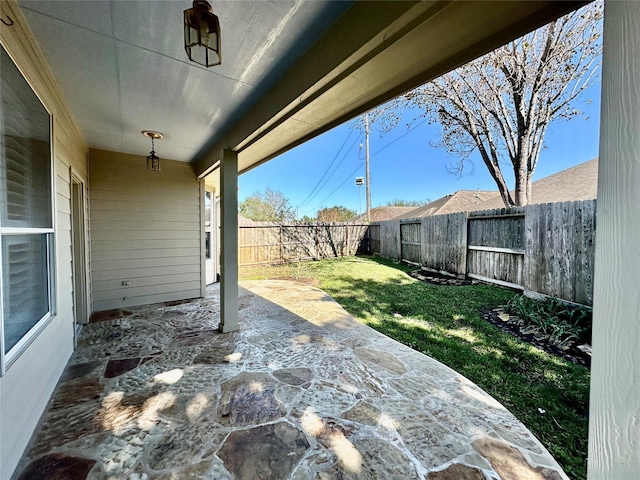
379	214
575	183
460	201
244	221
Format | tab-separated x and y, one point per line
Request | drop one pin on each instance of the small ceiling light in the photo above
202	34
153	161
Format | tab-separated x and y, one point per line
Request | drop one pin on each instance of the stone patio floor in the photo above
302	391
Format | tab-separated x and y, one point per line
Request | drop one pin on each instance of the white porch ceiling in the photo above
290	69
123	69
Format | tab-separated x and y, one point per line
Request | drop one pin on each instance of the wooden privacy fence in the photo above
264	244
547	248
495	247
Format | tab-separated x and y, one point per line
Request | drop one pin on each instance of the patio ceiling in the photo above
290	71
123	69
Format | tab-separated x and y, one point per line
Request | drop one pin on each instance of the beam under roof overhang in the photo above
374	52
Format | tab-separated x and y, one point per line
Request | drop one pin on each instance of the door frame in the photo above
211	265
79	251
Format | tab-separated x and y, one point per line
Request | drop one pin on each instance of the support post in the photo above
229	247
614	414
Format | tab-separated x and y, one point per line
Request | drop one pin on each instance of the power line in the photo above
332	173
327	170
338	187
363	163
405	133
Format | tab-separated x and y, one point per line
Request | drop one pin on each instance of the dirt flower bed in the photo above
514	326
435	278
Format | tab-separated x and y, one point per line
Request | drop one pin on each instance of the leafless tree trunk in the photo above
502	104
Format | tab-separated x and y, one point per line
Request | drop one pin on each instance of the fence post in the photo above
346	240
281	245
317	242
368	250
465	236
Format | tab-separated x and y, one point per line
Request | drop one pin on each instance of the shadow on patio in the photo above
302	391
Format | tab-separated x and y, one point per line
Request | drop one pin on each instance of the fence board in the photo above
374	238
505	267
501	228
258	245
546	248
444	243
410	242
560	250
496	246
358	239
263	244
390	240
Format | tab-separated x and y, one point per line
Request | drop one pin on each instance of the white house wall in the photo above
145	230
614	419
28	383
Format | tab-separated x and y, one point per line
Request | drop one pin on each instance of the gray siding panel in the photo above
166	262
165	296
140	206
112	289
124	254
144	272
136	244
146	216
147	235
146	224
145	230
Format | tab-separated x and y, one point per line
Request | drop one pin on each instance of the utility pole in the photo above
366	153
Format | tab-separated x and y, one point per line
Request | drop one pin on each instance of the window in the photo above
26	214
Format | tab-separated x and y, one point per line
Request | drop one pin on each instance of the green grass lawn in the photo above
444	323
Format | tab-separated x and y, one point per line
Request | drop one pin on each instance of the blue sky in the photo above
404	165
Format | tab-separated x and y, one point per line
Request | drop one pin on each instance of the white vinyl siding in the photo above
145	230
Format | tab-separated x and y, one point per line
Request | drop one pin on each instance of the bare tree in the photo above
502	104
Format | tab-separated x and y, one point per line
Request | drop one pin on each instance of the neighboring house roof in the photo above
378	214
460	201
244	221
575	183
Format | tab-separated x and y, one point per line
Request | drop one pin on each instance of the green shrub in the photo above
564	324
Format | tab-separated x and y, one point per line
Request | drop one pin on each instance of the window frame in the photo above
10	357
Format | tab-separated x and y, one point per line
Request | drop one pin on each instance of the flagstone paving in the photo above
301	391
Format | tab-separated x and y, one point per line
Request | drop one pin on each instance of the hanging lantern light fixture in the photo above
202	34
153	161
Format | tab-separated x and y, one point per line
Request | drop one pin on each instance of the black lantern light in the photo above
153	161
202	34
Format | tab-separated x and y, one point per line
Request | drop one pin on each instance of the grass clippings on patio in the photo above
547	393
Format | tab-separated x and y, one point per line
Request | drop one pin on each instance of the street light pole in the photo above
366	153
359	183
